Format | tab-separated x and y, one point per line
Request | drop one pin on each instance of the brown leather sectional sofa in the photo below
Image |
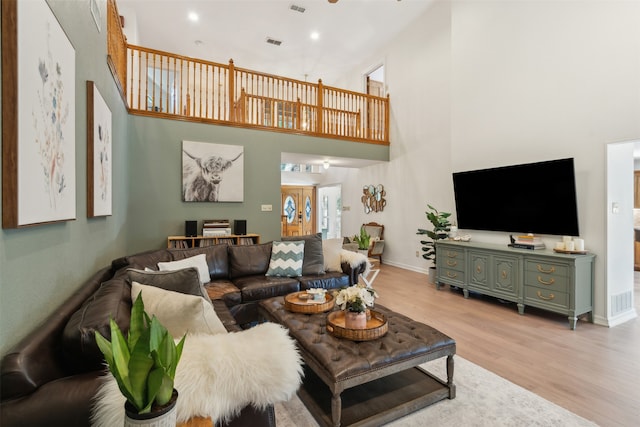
50	376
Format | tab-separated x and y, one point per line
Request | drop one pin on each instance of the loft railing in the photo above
167	85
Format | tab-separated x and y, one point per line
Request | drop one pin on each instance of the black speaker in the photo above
240	226
191	228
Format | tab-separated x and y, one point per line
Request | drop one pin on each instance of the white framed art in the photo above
38	96
212	172
99	150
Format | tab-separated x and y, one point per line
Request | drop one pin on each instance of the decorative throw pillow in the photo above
313	262
186	280
286	259
179	313
331	249
198	261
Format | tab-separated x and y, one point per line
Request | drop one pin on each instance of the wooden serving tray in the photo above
293	302
376	327
562	251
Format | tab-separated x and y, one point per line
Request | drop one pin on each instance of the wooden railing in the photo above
173	86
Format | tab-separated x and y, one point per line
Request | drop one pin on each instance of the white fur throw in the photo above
220	374
354	259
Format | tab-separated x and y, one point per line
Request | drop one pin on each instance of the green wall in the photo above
41	266
155	146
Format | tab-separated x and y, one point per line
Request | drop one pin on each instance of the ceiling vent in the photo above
297	8
273	41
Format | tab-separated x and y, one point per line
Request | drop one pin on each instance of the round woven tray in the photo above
293	302
376	327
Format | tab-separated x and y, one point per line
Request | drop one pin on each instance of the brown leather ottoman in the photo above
371	382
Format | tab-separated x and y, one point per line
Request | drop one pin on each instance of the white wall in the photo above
480	84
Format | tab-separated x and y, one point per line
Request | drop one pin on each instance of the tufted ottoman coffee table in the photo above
371	382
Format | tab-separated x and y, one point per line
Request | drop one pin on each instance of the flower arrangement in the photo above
356	298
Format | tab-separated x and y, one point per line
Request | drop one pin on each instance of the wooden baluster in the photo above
386	128
320	108
232	91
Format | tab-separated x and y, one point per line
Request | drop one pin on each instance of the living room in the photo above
472	84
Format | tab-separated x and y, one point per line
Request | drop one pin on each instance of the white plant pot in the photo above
432	276
364	252
163	418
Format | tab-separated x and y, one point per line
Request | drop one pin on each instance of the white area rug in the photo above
482	399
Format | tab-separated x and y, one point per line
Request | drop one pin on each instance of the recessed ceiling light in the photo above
315	35
193	17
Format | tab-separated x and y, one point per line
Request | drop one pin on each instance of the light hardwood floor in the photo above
593	371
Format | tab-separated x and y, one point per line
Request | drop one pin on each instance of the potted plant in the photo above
144	366
363	240
440	230
354	300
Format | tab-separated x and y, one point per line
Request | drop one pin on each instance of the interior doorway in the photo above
374	85
330	211
298	210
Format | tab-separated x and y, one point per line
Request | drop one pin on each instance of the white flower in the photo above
356	298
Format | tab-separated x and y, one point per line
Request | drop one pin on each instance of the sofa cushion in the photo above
256	288
216	255
178	312
223	290
286	259
144	259
331	249
313	262
249	260
186	280
198	261
329	280
111	300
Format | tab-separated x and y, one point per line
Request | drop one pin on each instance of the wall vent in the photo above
297	8
273	41
621	303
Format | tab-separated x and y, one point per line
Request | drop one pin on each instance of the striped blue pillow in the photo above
286	259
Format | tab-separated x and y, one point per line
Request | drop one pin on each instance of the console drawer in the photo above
545	298
453	277
548	282
546	267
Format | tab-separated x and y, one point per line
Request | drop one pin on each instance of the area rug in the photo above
482	399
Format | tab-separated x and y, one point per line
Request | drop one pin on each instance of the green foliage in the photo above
363	239
144	364
441	227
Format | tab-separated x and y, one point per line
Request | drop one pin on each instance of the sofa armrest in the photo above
353	264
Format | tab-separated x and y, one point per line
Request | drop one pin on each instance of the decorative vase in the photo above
355	320
164	416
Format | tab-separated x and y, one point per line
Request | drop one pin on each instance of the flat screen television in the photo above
538	198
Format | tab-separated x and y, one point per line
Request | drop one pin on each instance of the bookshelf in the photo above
203	241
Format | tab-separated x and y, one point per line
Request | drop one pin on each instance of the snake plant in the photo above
363	239
144	364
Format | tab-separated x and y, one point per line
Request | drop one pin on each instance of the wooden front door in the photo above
298	210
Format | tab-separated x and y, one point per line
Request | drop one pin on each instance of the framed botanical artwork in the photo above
38	117
99	167
212	172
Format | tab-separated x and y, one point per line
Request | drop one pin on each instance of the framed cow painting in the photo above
212	172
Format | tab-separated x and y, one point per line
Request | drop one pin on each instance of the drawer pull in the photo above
549	298
452	254
452	263
452	275
478	269
504	274
549	271
549	283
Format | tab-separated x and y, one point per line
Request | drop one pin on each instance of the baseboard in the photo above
406	267
622	318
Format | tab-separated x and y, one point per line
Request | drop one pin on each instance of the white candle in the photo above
566	239
560	246
569	246
579	244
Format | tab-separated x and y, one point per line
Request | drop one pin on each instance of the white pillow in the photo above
331	251
198	261
179	313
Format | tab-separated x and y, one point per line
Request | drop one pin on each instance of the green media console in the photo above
558	282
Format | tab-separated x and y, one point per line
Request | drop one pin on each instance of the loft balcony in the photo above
162	84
